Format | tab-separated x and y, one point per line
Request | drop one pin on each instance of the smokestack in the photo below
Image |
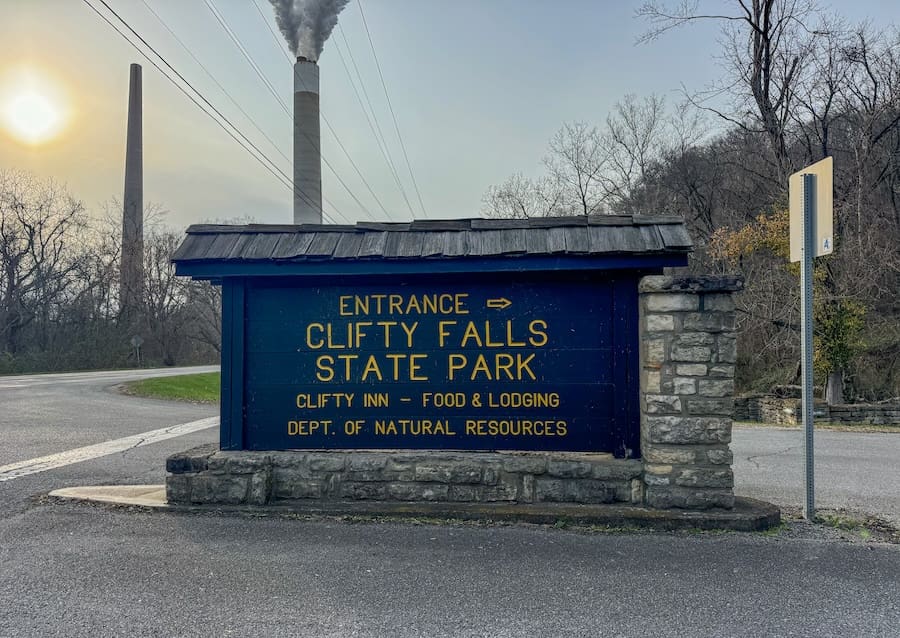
132	261
307	150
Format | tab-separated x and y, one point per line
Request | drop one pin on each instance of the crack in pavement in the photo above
775	453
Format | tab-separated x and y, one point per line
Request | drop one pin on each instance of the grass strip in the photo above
195	388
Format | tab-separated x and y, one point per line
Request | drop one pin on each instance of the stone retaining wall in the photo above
207	475
789	411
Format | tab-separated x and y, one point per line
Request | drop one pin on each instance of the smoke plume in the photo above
306	24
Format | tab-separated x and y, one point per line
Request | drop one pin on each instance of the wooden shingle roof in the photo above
437	239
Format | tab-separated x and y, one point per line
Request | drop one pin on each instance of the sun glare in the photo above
32	109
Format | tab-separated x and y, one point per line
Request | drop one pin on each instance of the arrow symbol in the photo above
500	303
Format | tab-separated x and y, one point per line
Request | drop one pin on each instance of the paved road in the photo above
78	570
855	471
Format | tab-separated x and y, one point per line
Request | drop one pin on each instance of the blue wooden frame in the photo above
335	268
235	277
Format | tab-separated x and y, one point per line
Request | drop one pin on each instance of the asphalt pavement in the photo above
70	569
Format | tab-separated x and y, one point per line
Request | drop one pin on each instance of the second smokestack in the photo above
307	148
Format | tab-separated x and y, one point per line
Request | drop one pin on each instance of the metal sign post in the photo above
806	339
811	235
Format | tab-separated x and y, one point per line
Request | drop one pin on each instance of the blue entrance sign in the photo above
522	365
468	334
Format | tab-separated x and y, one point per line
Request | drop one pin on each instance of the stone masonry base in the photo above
207	475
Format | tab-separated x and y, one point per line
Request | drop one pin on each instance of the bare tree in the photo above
39	230
576	161
522	197
767	43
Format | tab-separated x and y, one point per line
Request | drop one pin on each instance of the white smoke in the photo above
306	24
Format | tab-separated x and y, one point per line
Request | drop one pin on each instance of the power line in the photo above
379	136
212	77
391	107
234	38
243	141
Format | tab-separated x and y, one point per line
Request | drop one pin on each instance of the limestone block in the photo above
462	493
664	454
691	353
719	456
659	323
669	496
654	351
709	321
617	469
364	491
418	491
670	302
651	381
694	339
327	461
687	430
568	469
231	462
691	369
721	370
590	491
525	464
722	406
448	472
716	387
292	459
260	487
220	489
178	489
662	404
287	483
684	385
705	477
506	490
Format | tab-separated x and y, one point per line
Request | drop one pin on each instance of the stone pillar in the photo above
688	354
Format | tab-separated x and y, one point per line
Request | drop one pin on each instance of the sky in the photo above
478	87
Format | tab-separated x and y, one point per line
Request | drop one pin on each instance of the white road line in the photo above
44	463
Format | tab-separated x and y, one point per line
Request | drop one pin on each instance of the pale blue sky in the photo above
478	86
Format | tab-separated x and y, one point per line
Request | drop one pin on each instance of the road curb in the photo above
748	515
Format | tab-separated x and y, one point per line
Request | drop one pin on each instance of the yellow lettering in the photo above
481	366
414	367
387	325
409	330
471	333
371	367
343	302
504	367
362	305
522	364
309	341
347	358
456	362
539	337
325	370
509	337
442	333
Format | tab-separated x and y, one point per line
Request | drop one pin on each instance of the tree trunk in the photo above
834	388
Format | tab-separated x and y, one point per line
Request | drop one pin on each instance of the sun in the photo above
32	109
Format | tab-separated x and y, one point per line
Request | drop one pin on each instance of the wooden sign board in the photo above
823	209
540	364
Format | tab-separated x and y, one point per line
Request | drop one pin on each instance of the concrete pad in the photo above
139	495
747	515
